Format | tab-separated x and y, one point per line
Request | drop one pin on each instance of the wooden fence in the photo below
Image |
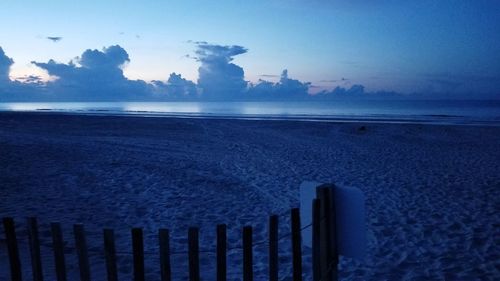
324	250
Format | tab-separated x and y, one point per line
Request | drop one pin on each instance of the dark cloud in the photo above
35	79
287	86
24	90
285	89
219	79
176	88
181	87
96	75
5	63
356	92
54	39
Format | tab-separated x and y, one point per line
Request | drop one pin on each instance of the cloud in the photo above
54	39
357	92
176	88
335	80
5	64
96	75
13	90
180	87
219	79
35	79
285	89
293	87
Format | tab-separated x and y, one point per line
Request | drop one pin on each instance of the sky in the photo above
222	49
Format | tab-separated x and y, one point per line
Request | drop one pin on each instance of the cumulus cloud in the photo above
355	92
13	90
219	78
5	64
96	75
176	88
285	89
180	87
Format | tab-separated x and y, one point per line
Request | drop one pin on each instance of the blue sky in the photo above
385	45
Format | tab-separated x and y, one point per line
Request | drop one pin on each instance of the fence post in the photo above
332	224
166	273
138	249
273	248
221	252
316	239
110	254
328	251
34	243
15	262
58	245
81	249
247	254
296	245
194	258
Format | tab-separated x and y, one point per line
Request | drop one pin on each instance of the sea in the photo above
465	112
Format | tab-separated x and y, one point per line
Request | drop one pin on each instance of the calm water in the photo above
460	112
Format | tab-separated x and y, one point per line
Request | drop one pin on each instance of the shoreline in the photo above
444	120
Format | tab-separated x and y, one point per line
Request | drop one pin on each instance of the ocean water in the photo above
417	111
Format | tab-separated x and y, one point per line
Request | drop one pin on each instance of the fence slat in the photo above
34	243
138	250
328	252
332	224
324	248
194	258
296	246
81	250
315	239
110	254
247	254
58	246
166	273
221	252
324	235
12	248
273	248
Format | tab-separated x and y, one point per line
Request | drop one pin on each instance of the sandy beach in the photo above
432	191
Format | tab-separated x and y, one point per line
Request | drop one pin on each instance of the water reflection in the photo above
449	111
163	107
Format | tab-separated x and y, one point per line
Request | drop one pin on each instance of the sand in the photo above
432	191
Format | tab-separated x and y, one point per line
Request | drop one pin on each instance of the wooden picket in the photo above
324	248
